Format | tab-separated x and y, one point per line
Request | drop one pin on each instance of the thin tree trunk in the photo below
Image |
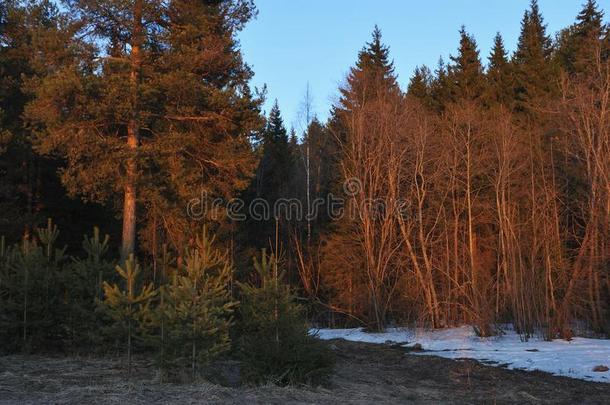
130	196
129	346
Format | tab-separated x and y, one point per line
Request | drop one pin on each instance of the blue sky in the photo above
293	42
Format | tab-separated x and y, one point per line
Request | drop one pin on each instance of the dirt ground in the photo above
364	374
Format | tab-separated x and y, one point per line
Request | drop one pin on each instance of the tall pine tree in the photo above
32	39
153	108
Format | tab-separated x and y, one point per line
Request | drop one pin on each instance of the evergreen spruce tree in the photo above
277	165
371	90
533	70
371	77
294	144
440	86
273	180
499	75
297	159
323	151
275	343
195	312
420	85
466	72
580	43
128	305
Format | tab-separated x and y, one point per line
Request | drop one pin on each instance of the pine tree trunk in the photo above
129	205
129	213
193	356
25	305
129	345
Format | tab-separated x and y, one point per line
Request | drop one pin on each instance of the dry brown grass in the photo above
364	374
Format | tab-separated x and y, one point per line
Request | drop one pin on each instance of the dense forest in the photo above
479	194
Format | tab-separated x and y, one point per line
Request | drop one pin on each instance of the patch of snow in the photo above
576	358
393	335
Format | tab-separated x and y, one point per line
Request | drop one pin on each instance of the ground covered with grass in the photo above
364	373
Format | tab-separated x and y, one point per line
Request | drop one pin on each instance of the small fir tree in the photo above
31	293
128	305
275	344
22	287
195	310
86	292
96	248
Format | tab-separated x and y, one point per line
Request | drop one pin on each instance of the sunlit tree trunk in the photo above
133	128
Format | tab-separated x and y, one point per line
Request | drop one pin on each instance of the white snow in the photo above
575	358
